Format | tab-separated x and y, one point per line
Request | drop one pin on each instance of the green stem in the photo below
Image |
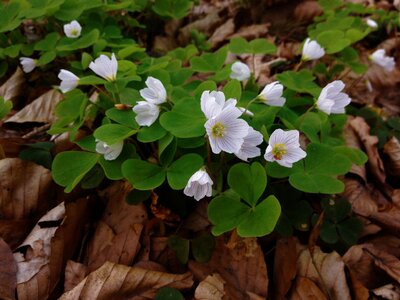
248	104
298	66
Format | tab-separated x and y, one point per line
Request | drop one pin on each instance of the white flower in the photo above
155	92
213	103
312	50
225	131
371	23
240	71
146	113
110	152
379	57
199	185
73	29
331	100
28	64
249	147
69	80
272	94
246	111
284	148
105	67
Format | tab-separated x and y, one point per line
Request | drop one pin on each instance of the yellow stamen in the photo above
278	151
74	32
218	130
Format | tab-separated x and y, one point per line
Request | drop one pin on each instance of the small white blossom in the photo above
379	57
105	67
225	131
199	185
312	50
371	23
110	152
69	80
272	94
155	92
146	113
249	147
284	148
332	100
246	111
73	29
28	64
240	71
212	103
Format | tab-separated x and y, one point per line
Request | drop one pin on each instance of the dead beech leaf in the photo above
117	235
359	197
13	86
306	11
385	261
113	281
327	270
74	273
198	220
8	272
211	288
370	143
221	33
284	266
241	271
41	110
306	289
63	246
252	31
389	291
359	291
352	140
392	149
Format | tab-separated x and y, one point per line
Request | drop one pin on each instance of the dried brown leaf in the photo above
392	150
306	289
41	110
385	261
359	196
252	31
284	266
113	281
242	267
306	11
8	272
117	235
74	273
389	291
13	86
63	246
222	32
353	140
359	291
327	270
198	219
370	143
211	288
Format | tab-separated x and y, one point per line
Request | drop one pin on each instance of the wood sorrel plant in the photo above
225	138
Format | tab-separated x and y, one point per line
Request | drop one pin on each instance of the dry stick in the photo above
36	131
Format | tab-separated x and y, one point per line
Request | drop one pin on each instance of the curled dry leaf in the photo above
113	281
352	140
63	246
74	273
221	33
392	149
306	289
37	246
26	192
41	110
13	86
326	270
8	272
242	272
359	291
117	234
385	261
252	31
389	291
211	288
284	266
370	143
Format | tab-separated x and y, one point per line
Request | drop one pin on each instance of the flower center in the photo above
278	150
74	32
218	130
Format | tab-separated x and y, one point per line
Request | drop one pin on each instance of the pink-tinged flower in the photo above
380	58
212	103
199	185
249	147
332	100
272	94
28	64
105	67
284	148
69	80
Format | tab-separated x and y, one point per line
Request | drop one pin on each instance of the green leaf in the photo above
328	232
168	293
142	174
136	197
333	40
209	62
91	80
202	247
233	89
180	247
48	43
175	9
46	58
93	178
82	42
70	167
350	230
113	133
113	168
167	148
302	82
5	107
182	169
336	210
258	46
261	220
356	156
152	133
123	117
249	181
185	120
316	183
